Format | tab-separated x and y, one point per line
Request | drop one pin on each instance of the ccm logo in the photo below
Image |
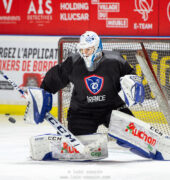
156	130
54	138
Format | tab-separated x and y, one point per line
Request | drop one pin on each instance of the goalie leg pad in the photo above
40	146
56	147
137	150
138	136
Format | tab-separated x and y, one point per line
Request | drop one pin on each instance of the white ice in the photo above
15	163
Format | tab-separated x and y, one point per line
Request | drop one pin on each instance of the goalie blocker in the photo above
39	103
140	137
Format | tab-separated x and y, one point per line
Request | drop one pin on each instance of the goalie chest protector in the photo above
92	90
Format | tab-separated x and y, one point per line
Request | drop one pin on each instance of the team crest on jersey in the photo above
94	83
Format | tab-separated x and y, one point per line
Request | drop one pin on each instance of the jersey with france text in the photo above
93	90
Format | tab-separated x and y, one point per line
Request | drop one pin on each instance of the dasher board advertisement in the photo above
25	60
73	17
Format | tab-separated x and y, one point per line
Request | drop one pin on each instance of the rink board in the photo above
147	116
20	109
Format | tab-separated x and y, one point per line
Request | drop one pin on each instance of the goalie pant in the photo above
56	147
140	137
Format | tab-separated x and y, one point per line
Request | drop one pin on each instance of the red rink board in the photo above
73	17
164	18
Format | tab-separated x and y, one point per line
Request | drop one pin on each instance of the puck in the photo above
7	114
11	119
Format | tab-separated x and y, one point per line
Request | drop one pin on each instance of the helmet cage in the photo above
87	40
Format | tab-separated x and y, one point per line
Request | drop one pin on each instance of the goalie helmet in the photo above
90	41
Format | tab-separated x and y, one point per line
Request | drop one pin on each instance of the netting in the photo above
159	55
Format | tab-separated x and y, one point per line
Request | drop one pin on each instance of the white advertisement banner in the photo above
25	59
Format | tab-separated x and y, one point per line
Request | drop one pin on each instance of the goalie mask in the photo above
90	49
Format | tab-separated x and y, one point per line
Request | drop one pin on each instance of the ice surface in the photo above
15	163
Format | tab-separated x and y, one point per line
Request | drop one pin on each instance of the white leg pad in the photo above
55	147
139	136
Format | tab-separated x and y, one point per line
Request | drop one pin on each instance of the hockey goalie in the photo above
105	86
127	130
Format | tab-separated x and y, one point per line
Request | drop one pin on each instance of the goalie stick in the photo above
61	130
